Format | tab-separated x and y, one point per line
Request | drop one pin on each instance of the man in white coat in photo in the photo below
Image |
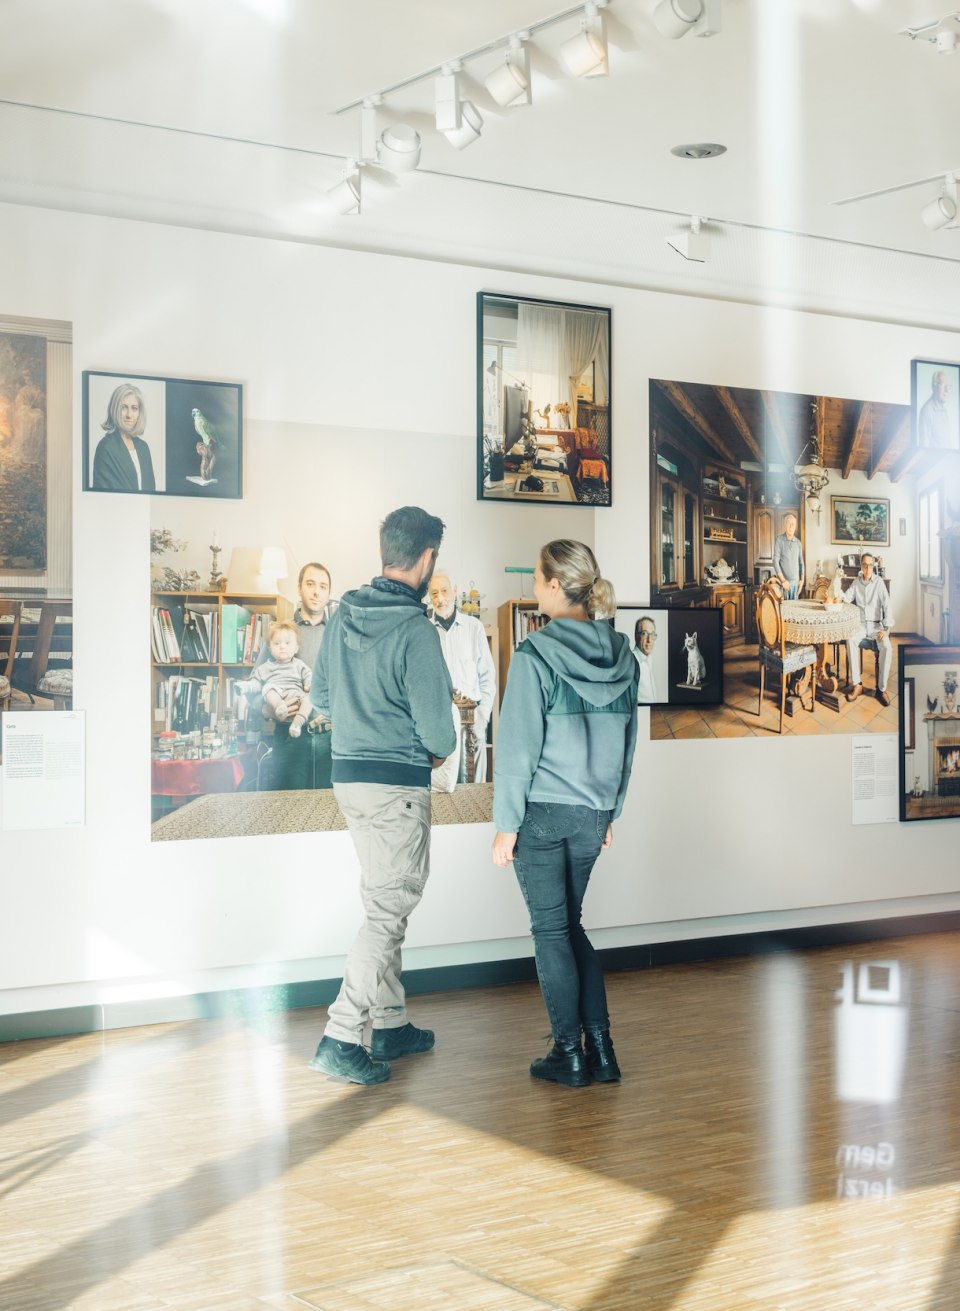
467	655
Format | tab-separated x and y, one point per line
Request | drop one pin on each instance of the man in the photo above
788	559
644	637
467	653
869	593
933	422
304	761
382	681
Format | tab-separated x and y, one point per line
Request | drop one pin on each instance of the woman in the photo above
568	726
122	460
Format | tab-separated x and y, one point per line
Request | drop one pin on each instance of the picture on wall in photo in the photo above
935	404
162	436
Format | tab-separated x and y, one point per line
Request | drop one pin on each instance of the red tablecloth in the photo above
195	778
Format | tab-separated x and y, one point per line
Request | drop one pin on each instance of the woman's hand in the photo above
503	845
607	838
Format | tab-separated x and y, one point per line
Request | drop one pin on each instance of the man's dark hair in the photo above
405	534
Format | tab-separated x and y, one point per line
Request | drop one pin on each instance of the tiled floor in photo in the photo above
738	716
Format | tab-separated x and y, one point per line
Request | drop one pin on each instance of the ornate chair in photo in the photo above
10	612
776	655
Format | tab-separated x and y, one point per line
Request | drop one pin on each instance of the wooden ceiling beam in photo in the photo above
735	415
857	448
899	429
904	464
779	432
681	402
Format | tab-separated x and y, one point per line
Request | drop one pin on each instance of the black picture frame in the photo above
935	418
670	655
191	443
929	732
543	438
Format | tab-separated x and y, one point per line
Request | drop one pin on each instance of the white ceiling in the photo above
219	114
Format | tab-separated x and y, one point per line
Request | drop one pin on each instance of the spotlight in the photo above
693	245
585	55
398	149
510	83
942	212
675	18
447	101
945	41
344	198
471	125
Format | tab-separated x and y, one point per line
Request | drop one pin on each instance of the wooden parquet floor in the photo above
785	1137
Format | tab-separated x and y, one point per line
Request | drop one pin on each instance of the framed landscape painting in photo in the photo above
855	519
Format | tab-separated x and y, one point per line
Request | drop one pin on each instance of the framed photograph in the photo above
935	405
929	732
856	519
543	402
151	436
679	651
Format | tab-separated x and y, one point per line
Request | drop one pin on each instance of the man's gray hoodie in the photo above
381	679
568	723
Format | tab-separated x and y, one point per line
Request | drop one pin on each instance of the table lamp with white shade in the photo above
256	570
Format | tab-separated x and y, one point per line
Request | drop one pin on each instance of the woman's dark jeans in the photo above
557	847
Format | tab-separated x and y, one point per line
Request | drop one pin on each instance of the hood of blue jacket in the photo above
592	658
368	615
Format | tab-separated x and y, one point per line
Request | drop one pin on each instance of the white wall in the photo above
356	361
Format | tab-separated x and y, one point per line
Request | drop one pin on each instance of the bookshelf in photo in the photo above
515	621
202	644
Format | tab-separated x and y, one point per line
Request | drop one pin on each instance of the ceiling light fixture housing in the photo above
677	18
941	33
698	150
509	83
471	125
942	212
694	244
585	55
344	197
398	149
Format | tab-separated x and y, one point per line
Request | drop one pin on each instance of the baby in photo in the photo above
284	672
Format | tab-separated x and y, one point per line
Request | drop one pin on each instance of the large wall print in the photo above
747	491
543	402
23	453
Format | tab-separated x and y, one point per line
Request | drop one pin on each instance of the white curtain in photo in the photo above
540	354
584	336
602	371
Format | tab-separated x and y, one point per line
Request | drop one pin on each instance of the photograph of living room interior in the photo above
167	178
723	476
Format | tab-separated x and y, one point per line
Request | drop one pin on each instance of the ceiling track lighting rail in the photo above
501	43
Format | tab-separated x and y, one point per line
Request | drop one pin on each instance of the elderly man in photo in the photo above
467	655
868	592
788	558
645	637
933	422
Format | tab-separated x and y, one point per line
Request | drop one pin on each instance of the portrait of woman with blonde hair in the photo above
122	461
568	728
